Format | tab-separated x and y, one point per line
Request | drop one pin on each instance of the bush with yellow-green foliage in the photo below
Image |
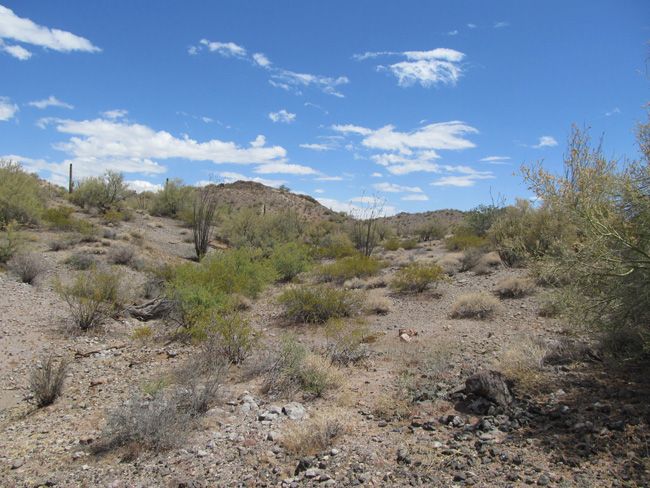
430	231
252	228
61	218
336	245
21	195
92	296
357	266
9	241
416	277
100	192
608	204
201	291
318	304
172	199
463	239
290	259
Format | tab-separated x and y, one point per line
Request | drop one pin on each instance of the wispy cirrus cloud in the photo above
278	77
23	30
286	168
501	24
497	160
50	101
395	188
468	178
440	66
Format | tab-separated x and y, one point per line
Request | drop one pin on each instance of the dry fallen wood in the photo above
80	354
153	309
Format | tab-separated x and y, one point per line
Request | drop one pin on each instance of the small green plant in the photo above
415	278
142	333
462	241
345	342
230	334
9	242
335	245
92	296
289	260
392	244
357	266
61	218
46	380
113	216
318	304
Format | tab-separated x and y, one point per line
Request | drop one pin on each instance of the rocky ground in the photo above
583	422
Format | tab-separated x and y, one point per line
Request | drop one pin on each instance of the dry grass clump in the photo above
474	306
81	261
318	304
514	287
294	368
523	362
487	263
46	381
392	406
377	304
450	263
121	255
415	278
345	343
27	265
315	435
425	367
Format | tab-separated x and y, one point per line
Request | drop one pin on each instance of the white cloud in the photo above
319	191
469	178
50	101
453	32
16	51
444	135
546	141
117	113
329	178
285	168
139	186
279	77
282	116
428	68
20	29
614	111
231	177
500	25
377	175
313	105
262	60
317	147
490	159
7	109
394	188
224	48
259	141
471	26
415	197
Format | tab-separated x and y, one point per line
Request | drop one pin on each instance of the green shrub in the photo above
100	192
430	231
21	195
318	304
61	218
203	290
251	228
81	261
336	245
114	216
461	241
408	244
289	260
172	199
479	220
92	296
9	242
392	244
357	266
415	278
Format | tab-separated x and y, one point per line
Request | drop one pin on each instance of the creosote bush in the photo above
335	246
92	296
415	278
9	241
289	260
21	195
462	240
514	287
474	306
27	266
46	381
318	304
61	218
357	266
100	192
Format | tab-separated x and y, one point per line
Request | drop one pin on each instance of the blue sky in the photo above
426	104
